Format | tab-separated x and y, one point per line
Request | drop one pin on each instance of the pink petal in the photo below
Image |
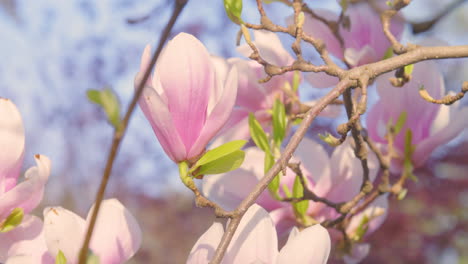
237	127
347	172
251	95
255	239
358	253
203	251
362	56
63	230
27	194
321	79
318	243
11	144
284	220
218	116
161	120
26	243
315	160
458	123
420	113
117	236
270	48
186	75
231	188
376	211
321	31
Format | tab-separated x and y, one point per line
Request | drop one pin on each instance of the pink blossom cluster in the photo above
194	98
35	241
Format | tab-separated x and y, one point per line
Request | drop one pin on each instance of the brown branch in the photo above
308	194
120	131
278	166
446	100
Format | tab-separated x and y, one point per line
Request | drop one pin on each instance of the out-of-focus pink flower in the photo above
431	125
116	238
337	178
252	96
184	101
364	41
27	194
255	241
25	244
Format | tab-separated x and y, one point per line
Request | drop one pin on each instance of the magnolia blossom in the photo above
255	241
185	102
252	96
432	125
28	193
337	178
116	236
363	41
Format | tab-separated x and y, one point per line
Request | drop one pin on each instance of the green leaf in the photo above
258	134
220	152
286	191
60	259
402	194
400	122
234	10
361	230
330	140
298	192
12	220
223	164
296	80
388	53
107	99
279	122
92	258
273	187
409	69
407	162
344	5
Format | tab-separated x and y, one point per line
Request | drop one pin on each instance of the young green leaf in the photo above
330	140
298	191
60	259
402	194
234	10
107	99
407	162
296	80
92	258
12	220
361	230
258	134
409	69
223	164
388	53
220	151
273	187
400	122
279	122
286	191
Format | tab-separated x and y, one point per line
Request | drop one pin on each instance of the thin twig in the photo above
120	131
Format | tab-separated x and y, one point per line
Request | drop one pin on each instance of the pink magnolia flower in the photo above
27	194
337	178
255	241
185	102
116	237
364	40
252	96
431	125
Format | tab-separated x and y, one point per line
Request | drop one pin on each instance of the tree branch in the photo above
120	131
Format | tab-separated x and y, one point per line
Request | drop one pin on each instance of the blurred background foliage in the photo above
52	52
